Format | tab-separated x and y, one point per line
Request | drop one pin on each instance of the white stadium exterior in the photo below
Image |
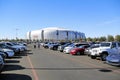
54	33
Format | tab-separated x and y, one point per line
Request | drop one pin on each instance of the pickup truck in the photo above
105	49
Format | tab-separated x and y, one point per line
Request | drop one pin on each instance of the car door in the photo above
114	48
119	47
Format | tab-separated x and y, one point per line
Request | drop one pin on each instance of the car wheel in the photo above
93	57
54	48
82	52
78	53
103	56
61	51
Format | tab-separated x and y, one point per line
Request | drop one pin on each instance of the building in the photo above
54	33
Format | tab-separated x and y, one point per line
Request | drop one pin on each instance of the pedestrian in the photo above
38	45
34	45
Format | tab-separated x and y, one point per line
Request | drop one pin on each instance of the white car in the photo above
105	49
72	46
88	50
68	48
8	52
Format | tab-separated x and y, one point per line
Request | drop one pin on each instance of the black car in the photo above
55	46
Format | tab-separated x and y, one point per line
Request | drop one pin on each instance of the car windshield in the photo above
81	47
105	44
10	44
94	46
66	44
71	45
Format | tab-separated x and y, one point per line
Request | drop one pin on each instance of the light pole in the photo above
17	33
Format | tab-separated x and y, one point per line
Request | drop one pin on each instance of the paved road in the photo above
45	64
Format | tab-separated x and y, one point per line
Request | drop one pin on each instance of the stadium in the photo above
54	33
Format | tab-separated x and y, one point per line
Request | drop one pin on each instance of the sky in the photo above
95	18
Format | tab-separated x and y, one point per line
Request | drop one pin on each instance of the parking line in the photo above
32	67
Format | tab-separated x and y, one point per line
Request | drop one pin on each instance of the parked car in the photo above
1	63
46	44
105	49
15	48
55	46
7	52
3	55
79	50
89	49
61	47
21	45
70	47
113	59
51	46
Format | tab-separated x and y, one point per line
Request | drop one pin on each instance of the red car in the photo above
79	50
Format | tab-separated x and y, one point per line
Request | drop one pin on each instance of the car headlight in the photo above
73	50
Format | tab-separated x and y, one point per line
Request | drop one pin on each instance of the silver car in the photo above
113	59
7	52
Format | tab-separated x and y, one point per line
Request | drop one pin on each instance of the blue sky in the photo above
93	17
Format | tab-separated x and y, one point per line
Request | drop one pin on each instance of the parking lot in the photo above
45	64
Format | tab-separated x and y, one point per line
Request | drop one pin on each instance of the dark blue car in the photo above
113	59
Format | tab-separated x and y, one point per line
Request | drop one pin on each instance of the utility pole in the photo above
17	33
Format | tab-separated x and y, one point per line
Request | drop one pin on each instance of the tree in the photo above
95	39
110	38
103	38
117	38
89	39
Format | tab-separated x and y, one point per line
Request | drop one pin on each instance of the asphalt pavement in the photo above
45	64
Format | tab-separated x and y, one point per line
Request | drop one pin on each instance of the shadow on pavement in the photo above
68	69
12	61
105	70
28	50
79	55
78	69
9	67
23	54
11	76
16	57
29	53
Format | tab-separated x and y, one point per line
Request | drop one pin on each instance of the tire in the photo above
93	57
61	50
46	47
82	52
55	48
103	56
78	53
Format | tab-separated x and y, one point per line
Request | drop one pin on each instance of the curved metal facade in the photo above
54	34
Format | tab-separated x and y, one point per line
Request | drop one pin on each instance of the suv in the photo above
105	49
